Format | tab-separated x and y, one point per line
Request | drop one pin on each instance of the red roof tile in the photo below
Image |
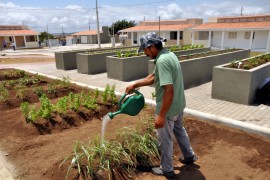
156	28
237	25
17	32
85	33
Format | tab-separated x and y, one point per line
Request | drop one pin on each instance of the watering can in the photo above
129	104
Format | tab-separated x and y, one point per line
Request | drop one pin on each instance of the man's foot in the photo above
158	171
188	160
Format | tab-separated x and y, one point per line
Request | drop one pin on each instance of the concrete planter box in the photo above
199	70
92	63
127	69
237	85
191	51
66	60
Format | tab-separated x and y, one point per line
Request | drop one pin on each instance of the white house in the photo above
175	31
22	36
247	32
90	36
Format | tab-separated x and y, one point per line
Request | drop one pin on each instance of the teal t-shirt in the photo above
168	71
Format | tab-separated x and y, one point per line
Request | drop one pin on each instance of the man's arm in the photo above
166	104
149	80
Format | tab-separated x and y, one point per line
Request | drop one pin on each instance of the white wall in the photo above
31	44
260	40
216	39
239	42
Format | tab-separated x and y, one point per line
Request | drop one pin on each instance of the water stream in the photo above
105	120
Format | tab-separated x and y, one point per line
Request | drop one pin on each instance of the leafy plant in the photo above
112	94
4	94
104	95
22	94
38	91
62	105
132	147
45	111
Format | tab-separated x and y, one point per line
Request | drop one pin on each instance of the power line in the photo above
77	9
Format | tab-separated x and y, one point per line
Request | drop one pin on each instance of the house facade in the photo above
22	36
90	36
246	32
175	31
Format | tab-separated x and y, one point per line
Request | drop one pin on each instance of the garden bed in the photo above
127	68
245	81
223	152
197	71
66	60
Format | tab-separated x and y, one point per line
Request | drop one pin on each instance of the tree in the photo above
121	24
44	35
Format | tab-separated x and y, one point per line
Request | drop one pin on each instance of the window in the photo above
30	38
232	35
247	35
173	35
203	35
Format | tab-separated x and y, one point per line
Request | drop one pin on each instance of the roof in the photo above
156	28
86	33
263	25
18	32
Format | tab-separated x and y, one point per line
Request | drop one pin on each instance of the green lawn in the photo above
254	53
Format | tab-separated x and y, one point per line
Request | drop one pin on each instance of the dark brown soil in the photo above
224	153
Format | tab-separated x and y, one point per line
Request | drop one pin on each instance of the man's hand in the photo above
160	121
130	88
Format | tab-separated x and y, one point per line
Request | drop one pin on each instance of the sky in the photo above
76	15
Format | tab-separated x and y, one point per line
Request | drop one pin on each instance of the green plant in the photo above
96	94
11	82
45	111
62	105
119	54
4	94
112	94
132	147
105	93
25	110
38	91
33	115
51	88
22	94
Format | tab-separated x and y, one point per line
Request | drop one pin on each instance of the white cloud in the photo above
76	18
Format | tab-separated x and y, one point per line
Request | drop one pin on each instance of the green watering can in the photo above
129	104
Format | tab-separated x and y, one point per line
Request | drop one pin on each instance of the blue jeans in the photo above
173	125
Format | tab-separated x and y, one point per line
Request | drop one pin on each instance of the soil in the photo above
204	54
25	59
224	153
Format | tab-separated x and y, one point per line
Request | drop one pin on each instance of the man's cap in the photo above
150	39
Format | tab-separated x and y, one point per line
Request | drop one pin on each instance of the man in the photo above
170	103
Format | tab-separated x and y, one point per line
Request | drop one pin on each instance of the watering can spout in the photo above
112	114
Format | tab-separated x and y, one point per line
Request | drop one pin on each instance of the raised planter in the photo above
238	85
127	69
191	51
66	60
199	70
92	63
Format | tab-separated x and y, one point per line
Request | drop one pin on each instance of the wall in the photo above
19	41
31	44
187	39
199	42
239	42
216	38
260	40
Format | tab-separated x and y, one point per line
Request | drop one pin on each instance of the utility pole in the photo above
49	44
113	40
98	33
89	25
241	10
159	26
